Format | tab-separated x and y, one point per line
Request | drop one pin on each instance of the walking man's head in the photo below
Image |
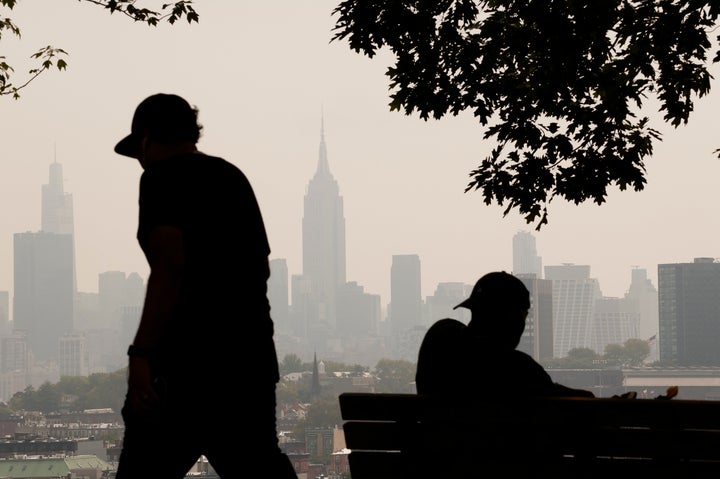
163	125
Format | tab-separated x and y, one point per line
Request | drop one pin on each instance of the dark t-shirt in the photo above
223	313
455	363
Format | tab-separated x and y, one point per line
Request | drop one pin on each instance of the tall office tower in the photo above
278	295
44	290
405	293
616	321
644	297
574	296
358	312
73	355
525	258
302	306
44	276
689	303
537	339
57	206
323	232
57	209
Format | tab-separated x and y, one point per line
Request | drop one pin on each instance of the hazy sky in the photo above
262	75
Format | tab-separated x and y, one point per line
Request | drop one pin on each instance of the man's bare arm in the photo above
167	265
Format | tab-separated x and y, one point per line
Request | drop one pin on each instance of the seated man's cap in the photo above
166	115
498	289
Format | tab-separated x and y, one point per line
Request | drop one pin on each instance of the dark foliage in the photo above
560	86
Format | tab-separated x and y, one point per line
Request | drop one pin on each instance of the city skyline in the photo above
263	76
323	175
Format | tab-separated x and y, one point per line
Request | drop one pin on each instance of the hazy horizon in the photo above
263	76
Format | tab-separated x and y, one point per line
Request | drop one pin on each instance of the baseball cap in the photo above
497	288
166	117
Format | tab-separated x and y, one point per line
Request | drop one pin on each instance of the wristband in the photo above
138	352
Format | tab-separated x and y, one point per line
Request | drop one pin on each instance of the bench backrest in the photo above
408	435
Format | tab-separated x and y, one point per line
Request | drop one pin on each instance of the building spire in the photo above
323	168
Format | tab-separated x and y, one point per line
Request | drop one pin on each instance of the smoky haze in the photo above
264	76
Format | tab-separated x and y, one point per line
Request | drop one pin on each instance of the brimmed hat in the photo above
166	117
498	289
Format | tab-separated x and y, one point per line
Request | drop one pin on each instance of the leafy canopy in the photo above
50	57
560	86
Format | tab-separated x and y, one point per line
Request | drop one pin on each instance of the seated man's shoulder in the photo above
447	325
442	334
442	358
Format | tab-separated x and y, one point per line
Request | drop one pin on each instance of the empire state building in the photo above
323	228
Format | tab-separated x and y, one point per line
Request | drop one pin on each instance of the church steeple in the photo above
315	388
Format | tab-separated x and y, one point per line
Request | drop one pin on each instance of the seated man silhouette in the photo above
456	361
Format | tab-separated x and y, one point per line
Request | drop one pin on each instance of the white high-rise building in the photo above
574	295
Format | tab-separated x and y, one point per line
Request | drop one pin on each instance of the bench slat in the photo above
638	412
374	465
394	434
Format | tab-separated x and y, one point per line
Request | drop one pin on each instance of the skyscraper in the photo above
302	308
57	206
405	292
323	233
525	258
644	297
44	290
537	339
574	296
358	311
689	306
278	295
57	209
44	272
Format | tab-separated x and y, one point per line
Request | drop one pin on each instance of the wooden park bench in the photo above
403	436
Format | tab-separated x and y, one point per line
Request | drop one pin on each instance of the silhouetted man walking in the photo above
202	367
